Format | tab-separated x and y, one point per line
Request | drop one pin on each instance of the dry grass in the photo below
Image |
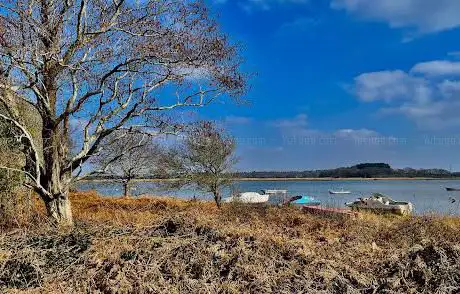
161	245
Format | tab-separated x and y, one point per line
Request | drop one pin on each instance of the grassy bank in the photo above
174	246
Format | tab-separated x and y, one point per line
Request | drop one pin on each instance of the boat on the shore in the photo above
342	191
276	197
452	189
382	204
303	200
248	197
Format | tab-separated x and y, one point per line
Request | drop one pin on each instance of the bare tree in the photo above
205	159
109	64
127	156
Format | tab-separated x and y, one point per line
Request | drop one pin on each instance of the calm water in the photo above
427	196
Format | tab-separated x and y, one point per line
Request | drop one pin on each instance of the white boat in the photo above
380	203
248	197
274	191
339	192
277	197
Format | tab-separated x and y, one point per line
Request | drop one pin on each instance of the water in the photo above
428	196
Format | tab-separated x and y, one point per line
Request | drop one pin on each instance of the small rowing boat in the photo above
248	197
452	189
339	192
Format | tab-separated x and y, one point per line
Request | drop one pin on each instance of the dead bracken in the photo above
192	247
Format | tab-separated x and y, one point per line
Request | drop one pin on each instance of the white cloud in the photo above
431	100
296	126
437	68
356	134
299	121
389	86
297	130
423	15
249	5
439	114
449	88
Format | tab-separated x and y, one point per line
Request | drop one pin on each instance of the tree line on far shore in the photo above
363	170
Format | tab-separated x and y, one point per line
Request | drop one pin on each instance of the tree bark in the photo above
55	181
217	198
59	210
126	189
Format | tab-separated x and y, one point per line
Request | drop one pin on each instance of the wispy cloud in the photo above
238	120
299	121
251	5
424	16
356	134
297	129
298	25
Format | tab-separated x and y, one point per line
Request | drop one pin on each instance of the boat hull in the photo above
400	209
303	201
453	189
313	203
339	192
249	198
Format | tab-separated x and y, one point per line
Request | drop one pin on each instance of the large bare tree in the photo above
110	65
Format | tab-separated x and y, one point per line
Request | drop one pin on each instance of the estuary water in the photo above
428	196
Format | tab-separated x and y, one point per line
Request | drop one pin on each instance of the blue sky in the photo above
345	81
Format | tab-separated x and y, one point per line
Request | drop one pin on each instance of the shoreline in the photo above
282	180
343	179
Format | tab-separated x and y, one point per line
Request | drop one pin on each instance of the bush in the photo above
15	200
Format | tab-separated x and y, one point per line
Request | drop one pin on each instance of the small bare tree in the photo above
111	65
205	159
127	156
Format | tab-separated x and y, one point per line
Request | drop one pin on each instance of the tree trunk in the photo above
53	180
217	198
60	211
126	189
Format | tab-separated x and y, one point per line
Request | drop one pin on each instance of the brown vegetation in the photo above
161	245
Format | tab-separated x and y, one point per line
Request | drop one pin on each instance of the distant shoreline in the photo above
285	179
342	179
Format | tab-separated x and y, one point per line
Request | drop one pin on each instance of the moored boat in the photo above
452	189
248	197
383	204
339	192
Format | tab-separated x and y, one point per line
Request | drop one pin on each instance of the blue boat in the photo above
304	201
